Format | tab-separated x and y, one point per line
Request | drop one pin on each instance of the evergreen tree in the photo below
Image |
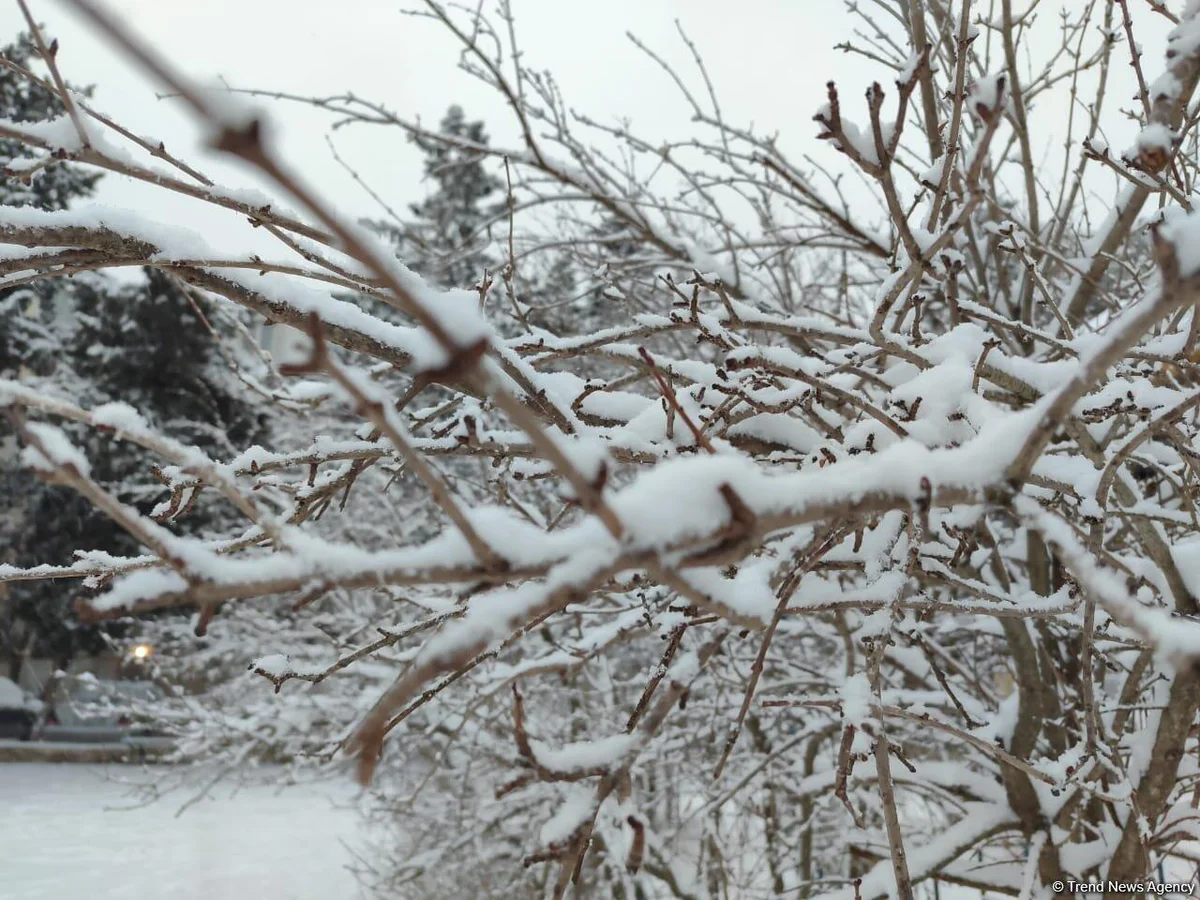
446	242
95	341
141	344
449	242
22	100
25	340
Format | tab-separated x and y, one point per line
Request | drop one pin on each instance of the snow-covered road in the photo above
60	839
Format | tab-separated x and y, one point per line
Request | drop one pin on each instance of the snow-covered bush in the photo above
842	539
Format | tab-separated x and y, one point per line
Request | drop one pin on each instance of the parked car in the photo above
18	712
87	709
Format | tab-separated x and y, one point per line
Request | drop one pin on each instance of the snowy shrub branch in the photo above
834	530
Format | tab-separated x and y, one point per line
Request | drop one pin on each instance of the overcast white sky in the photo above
769	59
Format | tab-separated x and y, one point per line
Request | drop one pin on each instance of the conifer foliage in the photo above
93	340
448	235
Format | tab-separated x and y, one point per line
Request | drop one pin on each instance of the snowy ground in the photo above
64	837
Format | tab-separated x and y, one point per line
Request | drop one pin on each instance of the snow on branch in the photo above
735	470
